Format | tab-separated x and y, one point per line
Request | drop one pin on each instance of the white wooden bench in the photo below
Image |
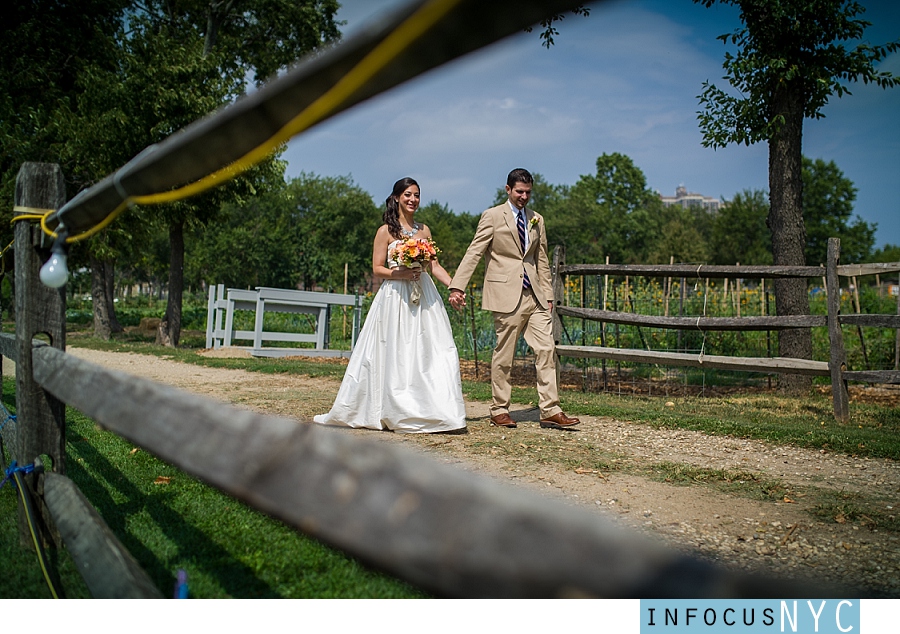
281	300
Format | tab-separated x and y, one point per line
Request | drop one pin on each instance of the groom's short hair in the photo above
519	175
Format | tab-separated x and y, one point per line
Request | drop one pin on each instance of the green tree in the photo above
332	223
739	232
221	43
887	253
248	246
611	213
117	114
300	235
828	213
680	237
451	232
790	60
45	48
549	30
165	65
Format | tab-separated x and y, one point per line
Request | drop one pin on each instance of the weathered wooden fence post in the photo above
837	362
41	420
558	284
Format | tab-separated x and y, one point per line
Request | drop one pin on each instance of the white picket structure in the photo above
222	303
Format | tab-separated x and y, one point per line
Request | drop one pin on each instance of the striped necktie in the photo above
520	224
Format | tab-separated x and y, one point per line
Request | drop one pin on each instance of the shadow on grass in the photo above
190	543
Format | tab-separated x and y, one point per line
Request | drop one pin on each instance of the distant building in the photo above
687	199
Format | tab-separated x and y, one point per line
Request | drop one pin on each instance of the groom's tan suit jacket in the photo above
497	239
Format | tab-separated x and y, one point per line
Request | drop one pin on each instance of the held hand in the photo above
457	299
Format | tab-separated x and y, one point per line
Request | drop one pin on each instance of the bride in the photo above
403	374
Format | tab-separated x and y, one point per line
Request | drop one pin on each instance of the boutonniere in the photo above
533	222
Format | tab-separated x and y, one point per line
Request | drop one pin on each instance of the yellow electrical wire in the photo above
39	549
394	44
381	56
89	232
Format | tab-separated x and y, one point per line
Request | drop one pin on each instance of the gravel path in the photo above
778	536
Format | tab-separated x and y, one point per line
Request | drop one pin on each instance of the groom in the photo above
517	290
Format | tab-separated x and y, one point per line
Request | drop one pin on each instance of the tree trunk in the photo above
109	288
785	222
170	327
102	327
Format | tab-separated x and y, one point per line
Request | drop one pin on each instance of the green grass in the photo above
784	420
841	507
743	483
844	507
170	521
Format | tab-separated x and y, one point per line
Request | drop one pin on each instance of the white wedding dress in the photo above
403	374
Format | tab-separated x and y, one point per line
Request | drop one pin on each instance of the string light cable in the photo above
383	54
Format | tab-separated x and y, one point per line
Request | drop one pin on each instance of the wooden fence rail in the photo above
696	323
108	569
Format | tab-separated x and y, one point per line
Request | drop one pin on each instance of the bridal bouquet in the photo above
413	254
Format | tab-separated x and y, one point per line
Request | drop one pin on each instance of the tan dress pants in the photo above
538	330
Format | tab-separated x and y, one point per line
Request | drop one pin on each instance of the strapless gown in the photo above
403	374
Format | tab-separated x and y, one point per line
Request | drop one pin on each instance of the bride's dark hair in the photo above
391	215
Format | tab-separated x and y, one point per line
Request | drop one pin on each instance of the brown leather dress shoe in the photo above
503	420
558	421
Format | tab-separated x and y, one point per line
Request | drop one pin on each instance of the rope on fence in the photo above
13	469
7	417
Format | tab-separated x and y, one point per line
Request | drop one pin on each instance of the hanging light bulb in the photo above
55	273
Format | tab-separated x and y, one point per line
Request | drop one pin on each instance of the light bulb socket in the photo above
59	243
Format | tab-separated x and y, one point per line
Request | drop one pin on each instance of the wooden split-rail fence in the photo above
442	528
835	367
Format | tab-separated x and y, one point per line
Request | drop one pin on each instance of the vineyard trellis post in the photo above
838	364
41	420
897	336
557	281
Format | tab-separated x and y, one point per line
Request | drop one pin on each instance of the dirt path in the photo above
642	477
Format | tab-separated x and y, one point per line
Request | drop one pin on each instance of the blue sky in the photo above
625	80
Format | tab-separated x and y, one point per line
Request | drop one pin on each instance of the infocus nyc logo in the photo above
813	616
